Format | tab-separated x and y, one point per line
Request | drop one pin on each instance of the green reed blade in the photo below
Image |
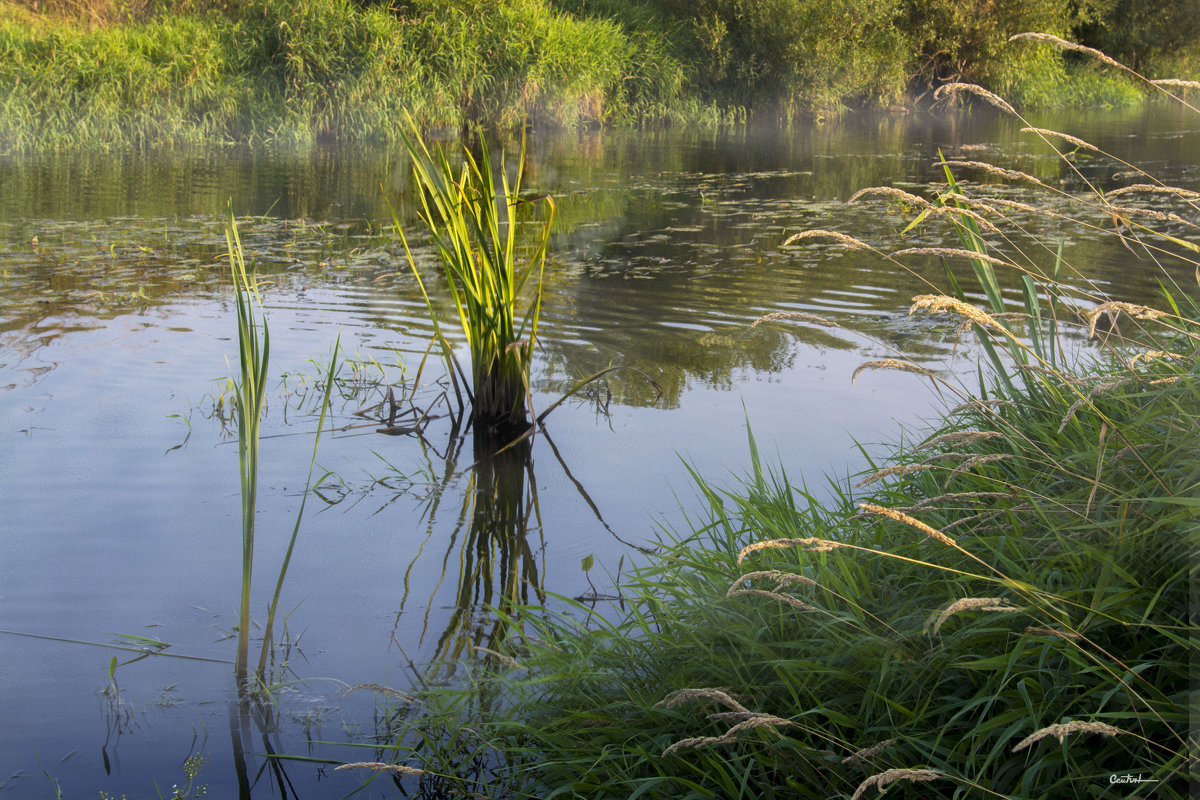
254	347
471	215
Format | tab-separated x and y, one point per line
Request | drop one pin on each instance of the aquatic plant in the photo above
254	351
254	346
472	216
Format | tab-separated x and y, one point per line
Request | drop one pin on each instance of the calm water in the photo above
118	473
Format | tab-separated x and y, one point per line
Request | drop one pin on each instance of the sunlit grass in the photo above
254	351
287	72
495	284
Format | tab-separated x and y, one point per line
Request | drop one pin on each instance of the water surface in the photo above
118	468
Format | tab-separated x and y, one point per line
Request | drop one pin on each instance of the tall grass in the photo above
317	69
472	215
1002	608
254	349
117	72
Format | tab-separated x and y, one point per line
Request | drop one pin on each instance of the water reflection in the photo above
254	725
667	244
488	554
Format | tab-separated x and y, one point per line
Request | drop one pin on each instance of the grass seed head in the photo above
867	753
889	363
955	497
1062	730
501	657
903	469
1176	83
950	252
753	720
780	578
980	220
975	461
1153	355
1175	191
381	689
1065	45
979	91
991	169
980	405
998	604
888	777
681	696
1066	137
811	545
848	241
895	194
959	437
379	766
788	600
940	303
931	532
797	315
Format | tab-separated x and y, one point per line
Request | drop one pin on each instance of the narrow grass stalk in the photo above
254	347
268	630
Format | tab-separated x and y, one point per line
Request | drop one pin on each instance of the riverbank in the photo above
110	73
1001	608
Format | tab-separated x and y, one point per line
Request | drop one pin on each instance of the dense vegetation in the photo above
1053	605
114	71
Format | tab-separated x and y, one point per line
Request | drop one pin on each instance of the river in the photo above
121	534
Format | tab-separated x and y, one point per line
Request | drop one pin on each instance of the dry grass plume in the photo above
996	604
888	777
1063	730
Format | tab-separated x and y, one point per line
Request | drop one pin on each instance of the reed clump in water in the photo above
494	282
971	616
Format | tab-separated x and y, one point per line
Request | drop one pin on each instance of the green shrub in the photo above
801	54
1160	38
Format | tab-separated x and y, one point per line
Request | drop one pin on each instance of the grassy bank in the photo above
1033	640
1001	609
297	71
154	71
